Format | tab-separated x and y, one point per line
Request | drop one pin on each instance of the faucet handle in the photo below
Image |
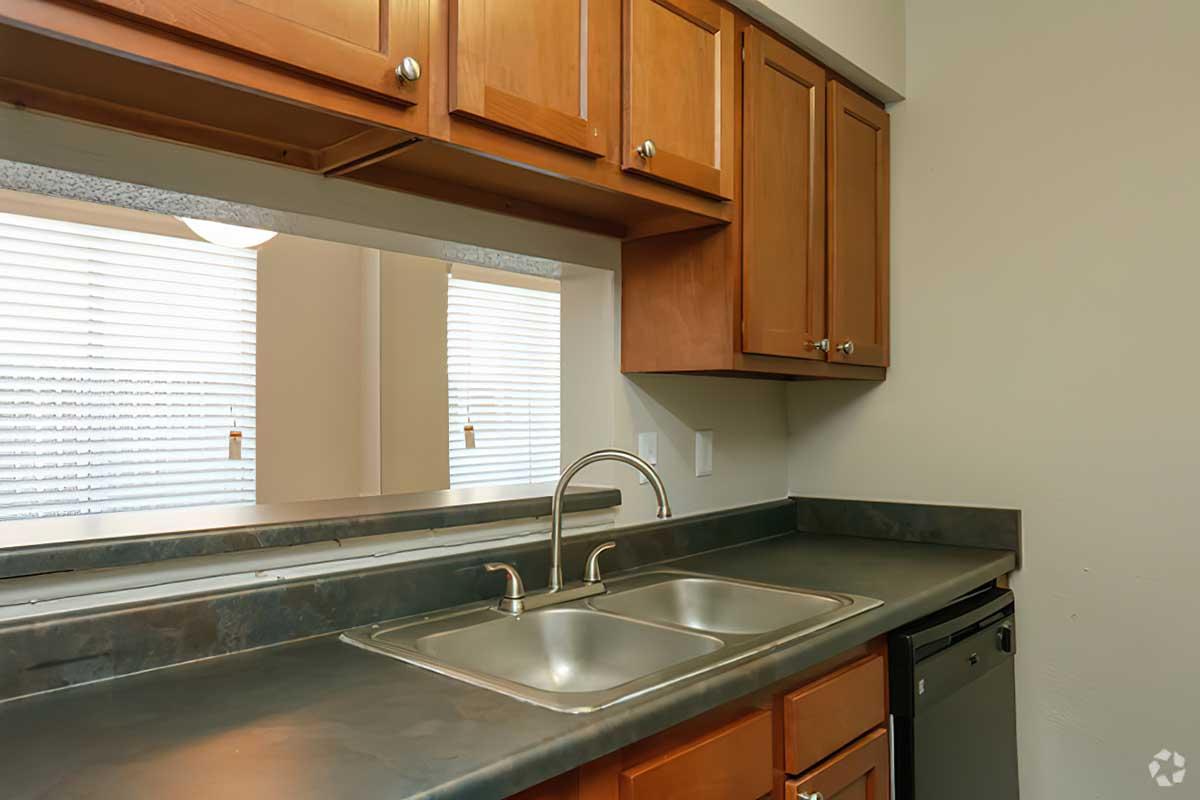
513	601
591	571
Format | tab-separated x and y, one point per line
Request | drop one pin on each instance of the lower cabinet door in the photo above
731	763
860	772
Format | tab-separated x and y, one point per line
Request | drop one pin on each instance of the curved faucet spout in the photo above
556	510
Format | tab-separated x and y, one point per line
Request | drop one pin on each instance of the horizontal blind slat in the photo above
503	363
125	359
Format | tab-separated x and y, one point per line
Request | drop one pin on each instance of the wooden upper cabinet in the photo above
858	203
860	772
678	93
358	43
531	67
783	201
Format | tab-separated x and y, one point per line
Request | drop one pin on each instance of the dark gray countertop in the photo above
319	719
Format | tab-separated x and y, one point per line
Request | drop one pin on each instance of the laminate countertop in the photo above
321	719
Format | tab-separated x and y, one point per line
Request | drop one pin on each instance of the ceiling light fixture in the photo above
226	235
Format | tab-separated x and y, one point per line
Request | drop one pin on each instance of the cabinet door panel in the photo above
783	241
355	42
860	772
858	228
527	66
731	763
826	715
678	92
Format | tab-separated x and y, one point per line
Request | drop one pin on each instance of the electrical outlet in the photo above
704	453
647	451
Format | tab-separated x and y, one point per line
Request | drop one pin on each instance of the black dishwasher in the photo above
953	702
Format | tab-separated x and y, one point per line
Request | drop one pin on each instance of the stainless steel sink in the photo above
650	631
719	606
563	649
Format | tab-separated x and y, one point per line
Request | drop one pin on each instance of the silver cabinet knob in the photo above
822	345
409	70
646	149
591	571
846	347
811	796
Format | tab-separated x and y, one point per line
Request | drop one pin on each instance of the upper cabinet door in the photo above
531	67
679	94
858	229
783	196
359	43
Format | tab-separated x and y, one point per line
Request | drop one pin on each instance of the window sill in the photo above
36	547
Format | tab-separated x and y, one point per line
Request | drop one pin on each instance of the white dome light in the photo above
228	235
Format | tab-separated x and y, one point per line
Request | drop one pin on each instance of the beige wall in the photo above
351	372
1045	189
603	408
310	370
415	407
861	39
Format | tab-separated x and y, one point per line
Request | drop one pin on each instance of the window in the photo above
503	368
125	360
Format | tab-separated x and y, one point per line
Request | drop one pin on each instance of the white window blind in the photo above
125	359
503	369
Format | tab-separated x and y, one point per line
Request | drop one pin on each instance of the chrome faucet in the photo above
515	600
556	506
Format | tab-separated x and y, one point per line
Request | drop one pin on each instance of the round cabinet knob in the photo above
846	347
811	796
646	149
409	70
821	344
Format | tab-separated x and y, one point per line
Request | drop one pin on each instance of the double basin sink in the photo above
648	631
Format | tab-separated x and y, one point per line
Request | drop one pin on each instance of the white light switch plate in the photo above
647	451
704	447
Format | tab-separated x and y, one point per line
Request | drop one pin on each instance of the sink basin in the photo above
719	606
651	630
565	649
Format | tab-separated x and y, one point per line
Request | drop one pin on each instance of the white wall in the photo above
861	39
1045	189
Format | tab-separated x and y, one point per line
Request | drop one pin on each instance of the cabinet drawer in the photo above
860	772
731	763
825	716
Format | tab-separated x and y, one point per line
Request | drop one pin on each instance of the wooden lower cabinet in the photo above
821	717
860	772
819	732
731	763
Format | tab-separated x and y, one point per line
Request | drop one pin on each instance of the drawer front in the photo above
825	716
860	772
731	763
